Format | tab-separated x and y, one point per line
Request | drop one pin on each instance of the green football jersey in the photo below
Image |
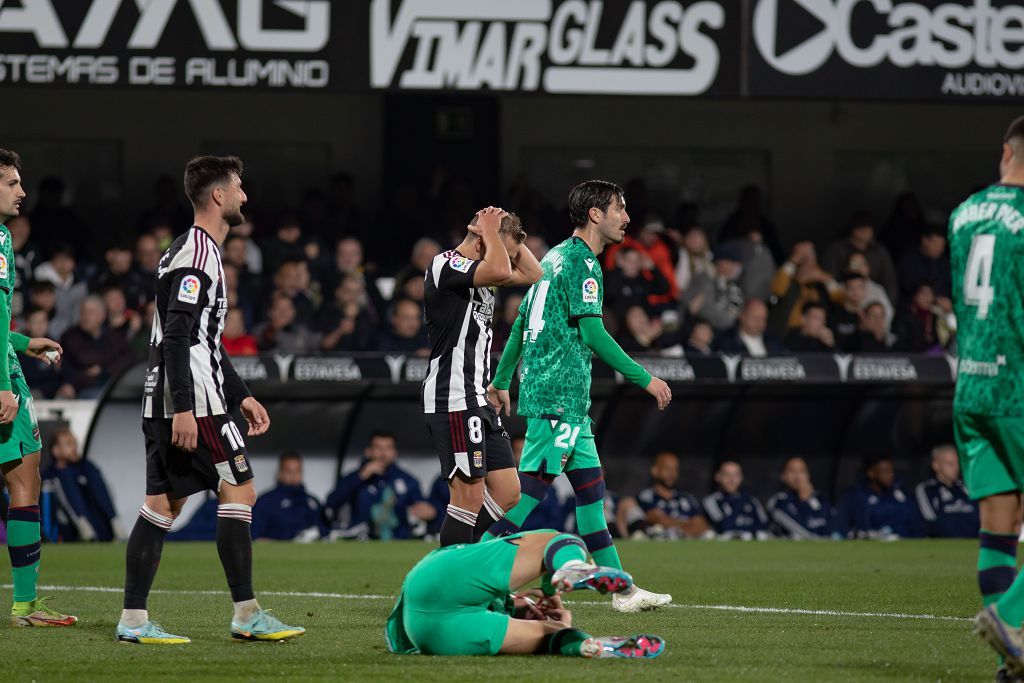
987	254
555	381
8	277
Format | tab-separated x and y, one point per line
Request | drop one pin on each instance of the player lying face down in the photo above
477	613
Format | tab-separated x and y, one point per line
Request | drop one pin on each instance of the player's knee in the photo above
533	485
588	485
509	500
467	494
238	495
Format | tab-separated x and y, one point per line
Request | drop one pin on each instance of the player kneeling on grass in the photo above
478	615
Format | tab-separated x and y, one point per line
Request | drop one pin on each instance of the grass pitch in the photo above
338	592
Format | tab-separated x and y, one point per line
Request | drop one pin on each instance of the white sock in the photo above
245	609
133	618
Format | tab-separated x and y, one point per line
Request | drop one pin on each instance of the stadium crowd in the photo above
330	277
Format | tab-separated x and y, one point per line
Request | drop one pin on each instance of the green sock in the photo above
24	548
513	519
566	642
560	550
591	525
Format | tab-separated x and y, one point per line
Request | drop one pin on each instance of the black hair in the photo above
589	195
811	305
382	434
201	173
1014	132
9	159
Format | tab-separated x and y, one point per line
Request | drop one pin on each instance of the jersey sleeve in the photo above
455	272
584	284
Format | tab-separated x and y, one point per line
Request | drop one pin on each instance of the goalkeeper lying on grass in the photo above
458	601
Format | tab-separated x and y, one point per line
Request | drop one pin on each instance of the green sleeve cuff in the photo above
607	349
19	341
510	356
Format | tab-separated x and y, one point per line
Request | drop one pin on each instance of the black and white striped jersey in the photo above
188	367
458	317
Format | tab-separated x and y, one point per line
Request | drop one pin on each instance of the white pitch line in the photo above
377	596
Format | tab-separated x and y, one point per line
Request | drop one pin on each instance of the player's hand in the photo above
499	398
659	390
372	468
185	431
489	219
38	347
554	610
8	407
256	415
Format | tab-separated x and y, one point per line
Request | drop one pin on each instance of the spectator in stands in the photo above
423	252
873	292
655	261
668	510
875	336
348	260
347	323
635	281
234	296
877	507
282	333
860	238
928	264
406	333
120	320
245	289
291	279
253	254
845	318
702	335
147	259
749	336
717	297
947	510
93	355
694	255
749	218
118	273
758	266
800	280
639	332
438	498
84	508
379	496
923	325
286	244
45	380
237	341
43	296
27	257
734	513
813	336
798	511
68	289
288	512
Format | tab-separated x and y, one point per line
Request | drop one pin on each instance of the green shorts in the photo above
21	437
991	453
450	598
553	447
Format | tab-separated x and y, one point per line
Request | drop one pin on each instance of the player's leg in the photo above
502	492
462	514
541	463
463	464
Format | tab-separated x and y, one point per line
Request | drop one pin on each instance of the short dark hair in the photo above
860	219
811	305
62	249
381	434
591	194
9	159
288	455
1014	132
201	173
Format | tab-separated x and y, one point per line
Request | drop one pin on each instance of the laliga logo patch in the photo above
3	266
460	263
590	291
189	292
240	464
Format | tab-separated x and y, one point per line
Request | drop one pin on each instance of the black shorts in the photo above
219	456
471	441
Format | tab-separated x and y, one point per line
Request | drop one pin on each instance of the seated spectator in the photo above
875	336
147	259
799	281
877	507
749	217
348	260
860	238
45	380
702	335
202	525
927	265
347	322
93	355
406	334
292	280
237	341
288	512
733	512
639	333
84	508
118	273
813	336
873	292
923	325
120	319
423	252
716	297
633	282
245	289
68	290
253	254
282	333
694	256
749	336
758	266
947	510
845	318
669	511
655	261
379	497
798	511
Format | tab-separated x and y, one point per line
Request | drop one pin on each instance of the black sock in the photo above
458	526
142	556
234	545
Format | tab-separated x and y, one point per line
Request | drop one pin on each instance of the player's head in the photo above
216	182
289	469
382	447
795	474
945	463
665	470
11	192
880	472
1013	148
64	447
510	232
729	477
600	206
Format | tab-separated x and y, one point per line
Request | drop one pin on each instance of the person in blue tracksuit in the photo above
288	512
798	511
877	507
83	509
733	512
947	510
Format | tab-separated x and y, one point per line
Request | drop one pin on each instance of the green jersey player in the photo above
558	330
19	432
986	237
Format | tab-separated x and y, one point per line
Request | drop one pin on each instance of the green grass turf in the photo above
345	642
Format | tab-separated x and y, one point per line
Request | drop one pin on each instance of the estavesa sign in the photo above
887	48
568	47
191	43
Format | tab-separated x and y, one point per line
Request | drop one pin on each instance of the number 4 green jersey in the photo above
986	241
555	382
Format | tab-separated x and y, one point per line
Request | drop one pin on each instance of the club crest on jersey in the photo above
590	291
3	266
240	464
478	459
189	292
460	263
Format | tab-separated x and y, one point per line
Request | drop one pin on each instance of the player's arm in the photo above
495	268
596	337
526	269
8	403
497	392
188	287
236	389
41	348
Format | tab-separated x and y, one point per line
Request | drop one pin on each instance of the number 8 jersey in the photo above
555	382
986	240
